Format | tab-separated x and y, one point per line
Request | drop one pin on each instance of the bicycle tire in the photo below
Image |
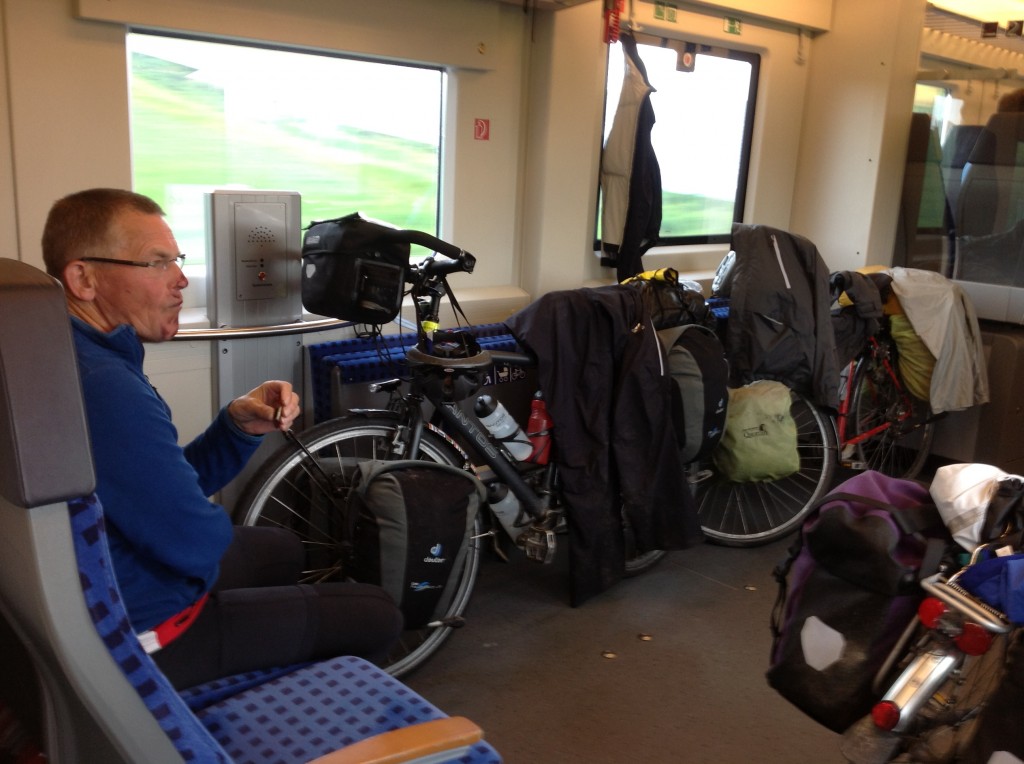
900	450
754	513
279	494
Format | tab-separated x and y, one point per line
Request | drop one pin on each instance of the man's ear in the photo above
79	281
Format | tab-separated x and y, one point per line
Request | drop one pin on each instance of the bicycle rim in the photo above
288	492
748	514
902	447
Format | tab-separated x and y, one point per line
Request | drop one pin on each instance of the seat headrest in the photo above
43	433
997	142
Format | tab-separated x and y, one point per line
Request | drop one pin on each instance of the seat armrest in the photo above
408	743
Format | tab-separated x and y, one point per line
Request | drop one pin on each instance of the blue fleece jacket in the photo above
166	537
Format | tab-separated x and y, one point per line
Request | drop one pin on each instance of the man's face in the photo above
147	298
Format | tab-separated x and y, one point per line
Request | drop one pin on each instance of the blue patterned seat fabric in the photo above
103	601
289	714
325	706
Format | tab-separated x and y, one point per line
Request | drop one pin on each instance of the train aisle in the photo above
662	669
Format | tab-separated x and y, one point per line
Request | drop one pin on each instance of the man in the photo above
208	599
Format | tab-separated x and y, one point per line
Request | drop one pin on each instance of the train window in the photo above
347	134
704	109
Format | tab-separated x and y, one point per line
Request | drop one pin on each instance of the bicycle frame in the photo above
875	350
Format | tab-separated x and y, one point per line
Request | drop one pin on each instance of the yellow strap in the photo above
671	275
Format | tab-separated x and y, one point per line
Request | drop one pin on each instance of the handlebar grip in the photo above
425	240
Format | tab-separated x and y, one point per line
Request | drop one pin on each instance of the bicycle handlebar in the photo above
455	259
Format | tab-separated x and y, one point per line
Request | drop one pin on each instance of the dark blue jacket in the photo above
166	537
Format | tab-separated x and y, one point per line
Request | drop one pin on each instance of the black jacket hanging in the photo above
630	175
601	369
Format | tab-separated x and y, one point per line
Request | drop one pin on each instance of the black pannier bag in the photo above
353	269
411	522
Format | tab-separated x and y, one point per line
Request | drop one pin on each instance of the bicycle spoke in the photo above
309	499
744	514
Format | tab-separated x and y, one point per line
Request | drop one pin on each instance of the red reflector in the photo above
885	715
973	640
930	611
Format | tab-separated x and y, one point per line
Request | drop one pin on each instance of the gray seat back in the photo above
88	710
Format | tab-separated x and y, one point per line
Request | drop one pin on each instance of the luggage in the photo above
962	493
670	302
759	442
915	362
410	525
353	269
847	591
697	363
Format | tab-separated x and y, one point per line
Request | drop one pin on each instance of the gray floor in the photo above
532	671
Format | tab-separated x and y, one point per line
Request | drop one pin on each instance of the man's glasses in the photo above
161	263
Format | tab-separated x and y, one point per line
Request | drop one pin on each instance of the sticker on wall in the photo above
482	129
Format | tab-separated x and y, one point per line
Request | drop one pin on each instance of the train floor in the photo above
663	668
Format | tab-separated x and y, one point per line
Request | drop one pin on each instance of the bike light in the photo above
974	639
930	611
885	715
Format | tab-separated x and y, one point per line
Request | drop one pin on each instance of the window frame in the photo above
746	148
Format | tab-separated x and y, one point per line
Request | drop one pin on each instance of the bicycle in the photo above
879	425
304	485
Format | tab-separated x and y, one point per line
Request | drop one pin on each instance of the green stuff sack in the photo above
759	442
916	362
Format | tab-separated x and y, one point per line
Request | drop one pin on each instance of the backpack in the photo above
759	442
848	589
410	525
696	361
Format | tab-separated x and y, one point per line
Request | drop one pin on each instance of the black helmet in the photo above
454	367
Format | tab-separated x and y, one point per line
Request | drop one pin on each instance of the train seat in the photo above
99	696
955	152
991	197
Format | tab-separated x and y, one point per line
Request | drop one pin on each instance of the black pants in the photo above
258	617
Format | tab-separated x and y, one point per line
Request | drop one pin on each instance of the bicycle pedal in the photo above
853	464
538	544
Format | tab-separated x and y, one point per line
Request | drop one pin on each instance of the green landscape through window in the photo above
347	134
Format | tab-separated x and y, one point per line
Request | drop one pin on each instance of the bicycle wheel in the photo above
903	439
289	492
748	514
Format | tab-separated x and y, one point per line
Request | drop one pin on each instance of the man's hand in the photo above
271	406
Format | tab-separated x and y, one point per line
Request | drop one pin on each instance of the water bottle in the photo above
503	427
505	506
538	430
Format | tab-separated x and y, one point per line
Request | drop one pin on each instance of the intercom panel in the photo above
254	244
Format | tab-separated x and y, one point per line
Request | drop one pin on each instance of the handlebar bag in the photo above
411	522
847	590
353	269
